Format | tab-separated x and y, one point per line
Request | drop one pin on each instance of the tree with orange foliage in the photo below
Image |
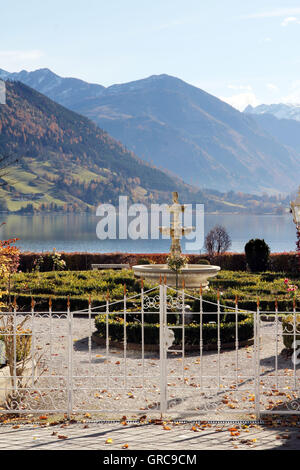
9	262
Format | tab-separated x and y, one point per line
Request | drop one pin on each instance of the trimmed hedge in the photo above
280	262
191	332
265	305
77	285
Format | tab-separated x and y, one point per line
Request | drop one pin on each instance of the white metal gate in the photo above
151	356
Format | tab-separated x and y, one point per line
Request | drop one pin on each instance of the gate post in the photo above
70	362
257	360
163	348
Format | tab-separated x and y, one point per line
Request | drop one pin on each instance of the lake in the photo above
77	232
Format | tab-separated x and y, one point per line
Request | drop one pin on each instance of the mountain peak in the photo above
153	81
45	71
279	110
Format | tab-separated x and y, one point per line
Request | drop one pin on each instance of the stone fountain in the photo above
193	275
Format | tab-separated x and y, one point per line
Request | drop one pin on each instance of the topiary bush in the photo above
257	255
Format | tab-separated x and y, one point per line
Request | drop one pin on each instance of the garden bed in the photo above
79	285
191	333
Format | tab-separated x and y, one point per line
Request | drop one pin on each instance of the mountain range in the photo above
67	163
66	160
180	128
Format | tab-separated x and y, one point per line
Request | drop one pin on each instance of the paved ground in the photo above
97	378
131	383
185	437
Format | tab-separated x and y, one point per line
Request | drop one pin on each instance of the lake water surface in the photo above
77	232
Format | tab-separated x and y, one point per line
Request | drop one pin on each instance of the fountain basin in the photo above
193	275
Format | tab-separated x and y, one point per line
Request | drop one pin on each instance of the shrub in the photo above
23	343
257	255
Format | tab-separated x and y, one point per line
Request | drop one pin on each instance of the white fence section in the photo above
151	355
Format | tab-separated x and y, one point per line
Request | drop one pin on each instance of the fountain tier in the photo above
194	275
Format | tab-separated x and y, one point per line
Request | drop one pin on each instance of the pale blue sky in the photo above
242	51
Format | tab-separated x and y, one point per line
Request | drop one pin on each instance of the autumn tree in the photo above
9	262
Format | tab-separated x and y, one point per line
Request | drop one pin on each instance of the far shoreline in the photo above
34	214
